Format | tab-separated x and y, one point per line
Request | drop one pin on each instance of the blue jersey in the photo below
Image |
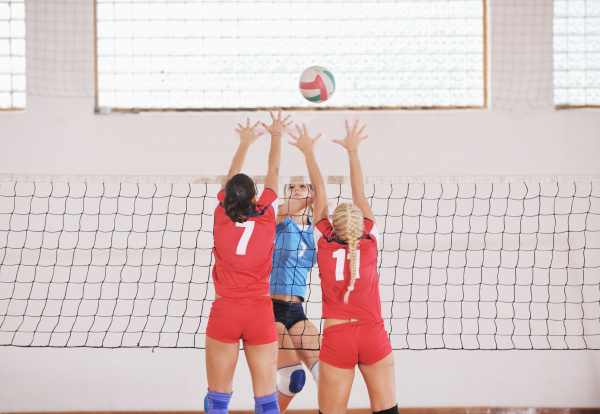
293	257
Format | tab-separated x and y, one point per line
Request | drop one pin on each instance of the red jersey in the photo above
334	270
244	251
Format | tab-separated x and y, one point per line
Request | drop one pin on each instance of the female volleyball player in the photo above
244	233
293	258
347	256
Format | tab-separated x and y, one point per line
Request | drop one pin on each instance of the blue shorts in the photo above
288	313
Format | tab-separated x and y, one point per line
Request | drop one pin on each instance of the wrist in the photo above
354	150
275	135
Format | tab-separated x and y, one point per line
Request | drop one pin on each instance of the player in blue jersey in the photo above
293	258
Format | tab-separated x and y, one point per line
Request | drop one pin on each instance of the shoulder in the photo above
322	231
267	197
371	231
369	225
324	226
283	224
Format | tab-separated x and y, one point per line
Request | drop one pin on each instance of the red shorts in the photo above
249	319
351	343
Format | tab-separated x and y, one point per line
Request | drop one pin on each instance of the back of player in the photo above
353	330
244	233
334	261
243	250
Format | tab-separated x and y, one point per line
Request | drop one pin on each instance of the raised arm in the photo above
306	144
247	137
276	128
351	143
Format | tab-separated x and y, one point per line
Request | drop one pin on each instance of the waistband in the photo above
355	322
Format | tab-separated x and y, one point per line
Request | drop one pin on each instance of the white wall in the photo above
518	135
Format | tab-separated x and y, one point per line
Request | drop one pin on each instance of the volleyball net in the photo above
478	264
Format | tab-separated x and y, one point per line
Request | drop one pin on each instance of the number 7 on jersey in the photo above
243	244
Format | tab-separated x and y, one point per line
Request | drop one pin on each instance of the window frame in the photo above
104	110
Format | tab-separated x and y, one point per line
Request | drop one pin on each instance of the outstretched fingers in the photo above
285	123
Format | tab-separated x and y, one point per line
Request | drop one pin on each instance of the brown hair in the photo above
239	198
348	225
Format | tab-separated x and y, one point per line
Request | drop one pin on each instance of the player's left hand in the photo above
278	125
247	134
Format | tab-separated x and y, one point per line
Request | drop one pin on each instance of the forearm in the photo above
238	161
274	163
316	179
356	175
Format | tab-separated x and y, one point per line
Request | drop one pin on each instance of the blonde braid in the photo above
348	226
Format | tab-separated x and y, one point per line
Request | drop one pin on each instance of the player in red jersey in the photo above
353	331
244	235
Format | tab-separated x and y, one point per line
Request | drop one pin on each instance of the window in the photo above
576	53
12	54
250	54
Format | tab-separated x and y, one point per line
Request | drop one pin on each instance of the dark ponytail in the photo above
239	196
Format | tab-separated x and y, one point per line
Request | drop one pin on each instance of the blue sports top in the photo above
293	257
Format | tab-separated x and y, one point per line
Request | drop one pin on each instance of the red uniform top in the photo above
334	270
243	251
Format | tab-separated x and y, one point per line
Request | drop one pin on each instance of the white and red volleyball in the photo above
317	84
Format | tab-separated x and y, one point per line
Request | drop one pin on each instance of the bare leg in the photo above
379	378
334	388
221	359
287	356
307	341
262	362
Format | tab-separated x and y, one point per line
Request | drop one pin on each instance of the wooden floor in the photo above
423	410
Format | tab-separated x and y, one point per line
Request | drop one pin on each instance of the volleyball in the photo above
317	84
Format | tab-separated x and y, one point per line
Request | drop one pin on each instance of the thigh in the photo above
287	355
221	359
335	385
307	341
262	362
380	380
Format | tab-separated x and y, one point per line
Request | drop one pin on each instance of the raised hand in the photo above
247	133
353	137
278	125
304	142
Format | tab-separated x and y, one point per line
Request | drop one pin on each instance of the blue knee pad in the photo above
216	402
291	380
267	404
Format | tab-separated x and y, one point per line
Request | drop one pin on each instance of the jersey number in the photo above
303	249
340	259
248	229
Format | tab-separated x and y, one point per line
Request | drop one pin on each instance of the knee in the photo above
291	380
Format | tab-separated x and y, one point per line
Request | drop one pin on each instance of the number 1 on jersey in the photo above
340	259
243	244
